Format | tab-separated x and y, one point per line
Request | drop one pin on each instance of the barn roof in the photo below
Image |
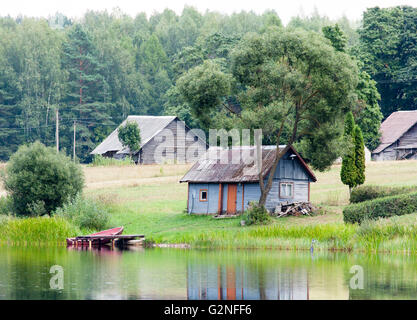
217	165
394	127
149	127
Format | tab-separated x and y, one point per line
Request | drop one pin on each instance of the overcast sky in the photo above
285	8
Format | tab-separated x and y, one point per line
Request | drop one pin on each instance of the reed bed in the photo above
389	235
36	230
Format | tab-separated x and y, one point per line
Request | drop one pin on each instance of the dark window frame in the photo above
201	195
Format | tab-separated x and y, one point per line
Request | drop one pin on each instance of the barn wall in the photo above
410	137
176	145
388	153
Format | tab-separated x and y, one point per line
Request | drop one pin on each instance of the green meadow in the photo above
149	200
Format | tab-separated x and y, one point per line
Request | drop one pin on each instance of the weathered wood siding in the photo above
288	171
203	207
171	145
391	153
410	137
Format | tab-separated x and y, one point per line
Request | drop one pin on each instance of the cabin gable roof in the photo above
217	165
394	127
149	127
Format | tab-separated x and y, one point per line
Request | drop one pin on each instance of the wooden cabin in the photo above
399	137
218	184
163	139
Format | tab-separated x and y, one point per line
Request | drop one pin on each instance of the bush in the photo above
364	193
85	213
39	178
5	206
256	214
381	208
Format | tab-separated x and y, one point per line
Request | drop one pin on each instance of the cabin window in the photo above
195	138
203	194
164	153
286	190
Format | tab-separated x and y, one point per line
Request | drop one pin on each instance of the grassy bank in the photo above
149	200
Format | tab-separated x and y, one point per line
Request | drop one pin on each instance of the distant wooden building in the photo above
163	139
399	137
218	184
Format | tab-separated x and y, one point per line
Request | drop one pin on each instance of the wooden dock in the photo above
119	240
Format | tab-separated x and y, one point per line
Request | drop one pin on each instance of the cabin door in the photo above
231	198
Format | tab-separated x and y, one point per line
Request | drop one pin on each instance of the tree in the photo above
348	171
290	78
359	156
129	136
366	111
88	93
153	64
39	180
387	47
352	172
204	87
336	36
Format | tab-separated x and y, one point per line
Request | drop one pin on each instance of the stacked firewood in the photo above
295	209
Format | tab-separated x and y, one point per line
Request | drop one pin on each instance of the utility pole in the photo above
57	129
75	124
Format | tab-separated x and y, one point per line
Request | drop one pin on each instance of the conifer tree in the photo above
359	155
87	92
348	172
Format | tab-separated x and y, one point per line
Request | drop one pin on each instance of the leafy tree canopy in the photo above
292	83
39	180
129	136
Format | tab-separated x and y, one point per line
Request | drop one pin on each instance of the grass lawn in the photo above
149	200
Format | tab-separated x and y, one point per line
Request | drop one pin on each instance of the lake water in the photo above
202	274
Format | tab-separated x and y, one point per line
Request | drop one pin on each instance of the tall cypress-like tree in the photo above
348	172
359	155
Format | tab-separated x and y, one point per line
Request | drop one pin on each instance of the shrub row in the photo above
369	192
381	208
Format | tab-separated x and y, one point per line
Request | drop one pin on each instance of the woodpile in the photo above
295	209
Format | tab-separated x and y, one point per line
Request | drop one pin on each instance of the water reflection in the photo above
230	282
199	274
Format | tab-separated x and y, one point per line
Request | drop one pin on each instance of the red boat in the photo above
95	238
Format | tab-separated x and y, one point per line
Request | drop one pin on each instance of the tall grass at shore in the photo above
36	230
278	236
398	234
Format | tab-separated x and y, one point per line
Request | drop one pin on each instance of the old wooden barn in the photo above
163	139
219	185
399	137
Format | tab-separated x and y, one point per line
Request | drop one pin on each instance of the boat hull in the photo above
95	241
